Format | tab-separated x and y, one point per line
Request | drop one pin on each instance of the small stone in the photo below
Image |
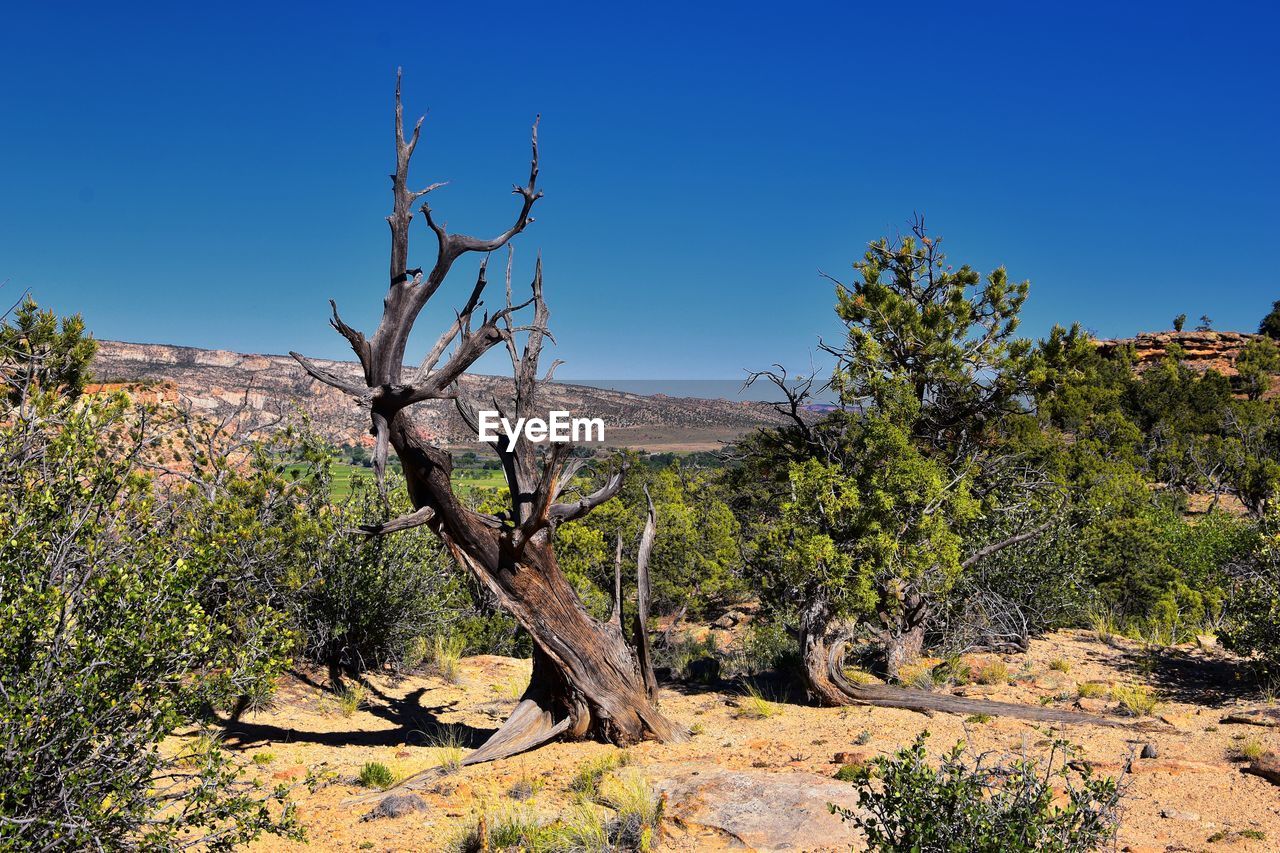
397	805
1149	751
1090	705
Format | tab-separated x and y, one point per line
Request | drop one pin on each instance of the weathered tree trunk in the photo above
587	680
903	645
823	641
822	645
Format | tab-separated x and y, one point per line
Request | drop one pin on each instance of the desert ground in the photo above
741	783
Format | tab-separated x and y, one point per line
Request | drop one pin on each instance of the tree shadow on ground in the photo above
1191	677
413	724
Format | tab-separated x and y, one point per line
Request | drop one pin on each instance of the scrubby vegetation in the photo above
980	805
971	490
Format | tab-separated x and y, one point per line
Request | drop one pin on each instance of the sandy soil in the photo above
1192	792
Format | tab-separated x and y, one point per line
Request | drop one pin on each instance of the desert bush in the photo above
1253	606
106	648
362	602
769	646
906	804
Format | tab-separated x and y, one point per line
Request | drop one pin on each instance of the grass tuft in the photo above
375	774
992	672
1091	690
586	782
352	698
754	706
446	657
1136	700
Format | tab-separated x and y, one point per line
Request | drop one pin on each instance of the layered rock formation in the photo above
1201	351
219	383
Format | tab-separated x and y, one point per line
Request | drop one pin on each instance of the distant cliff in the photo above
216	383
1201	351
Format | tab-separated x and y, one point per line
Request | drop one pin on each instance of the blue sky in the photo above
211	174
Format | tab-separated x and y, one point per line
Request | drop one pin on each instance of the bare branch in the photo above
562	512
996	547
404	522
329	378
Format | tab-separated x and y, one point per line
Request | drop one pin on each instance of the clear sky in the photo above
210	174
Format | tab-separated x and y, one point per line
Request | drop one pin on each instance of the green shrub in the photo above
106	645
769	647
375	774
1253	607
905	804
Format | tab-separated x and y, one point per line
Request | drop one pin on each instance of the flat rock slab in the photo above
760	809
1255	717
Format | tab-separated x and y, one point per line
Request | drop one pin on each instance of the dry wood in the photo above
586	681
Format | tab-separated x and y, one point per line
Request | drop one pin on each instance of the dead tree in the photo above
587	680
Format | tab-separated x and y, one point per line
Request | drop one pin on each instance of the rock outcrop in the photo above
758	809
1202	351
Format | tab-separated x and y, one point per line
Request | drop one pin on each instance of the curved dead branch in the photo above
890	696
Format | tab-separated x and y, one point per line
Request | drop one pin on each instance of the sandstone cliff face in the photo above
1202	351
216	383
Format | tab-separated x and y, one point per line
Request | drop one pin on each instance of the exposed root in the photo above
889	696
529	726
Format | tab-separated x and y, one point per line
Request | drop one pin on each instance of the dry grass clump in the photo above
449	749
446	658
586	781
1091	690
1136	700
351	698
1249	749
1060	665
992	672
754	706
